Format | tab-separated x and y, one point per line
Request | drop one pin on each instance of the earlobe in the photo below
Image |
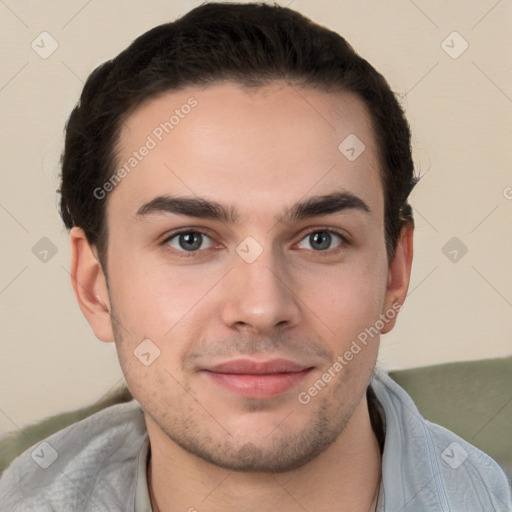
90	286
399	273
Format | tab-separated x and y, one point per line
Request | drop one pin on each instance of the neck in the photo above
345	477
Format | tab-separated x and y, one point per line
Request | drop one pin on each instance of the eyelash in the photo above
183	254
189	254
344	240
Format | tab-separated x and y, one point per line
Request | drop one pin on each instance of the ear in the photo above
399	273
90	285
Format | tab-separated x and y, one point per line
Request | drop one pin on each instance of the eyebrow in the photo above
189	206
324	205
207	209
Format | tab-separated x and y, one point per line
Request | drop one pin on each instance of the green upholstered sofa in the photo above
473	399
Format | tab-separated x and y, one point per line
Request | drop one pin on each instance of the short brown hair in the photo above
251	44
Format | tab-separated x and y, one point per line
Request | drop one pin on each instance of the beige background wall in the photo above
460	110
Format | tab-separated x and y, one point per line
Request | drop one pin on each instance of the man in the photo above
236	186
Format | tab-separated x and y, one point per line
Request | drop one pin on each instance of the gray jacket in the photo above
93	465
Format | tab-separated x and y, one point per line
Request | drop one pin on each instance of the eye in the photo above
321	240
190	241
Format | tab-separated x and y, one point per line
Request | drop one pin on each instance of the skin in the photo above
259	152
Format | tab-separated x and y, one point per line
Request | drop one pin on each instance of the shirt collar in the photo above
142	501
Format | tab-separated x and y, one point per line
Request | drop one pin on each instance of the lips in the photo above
248	367
257	379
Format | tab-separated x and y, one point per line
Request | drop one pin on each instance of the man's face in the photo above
251	306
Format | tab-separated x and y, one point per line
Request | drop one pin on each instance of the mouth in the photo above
258	379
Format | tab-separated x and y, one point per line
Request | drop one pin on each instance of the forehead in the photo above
254	149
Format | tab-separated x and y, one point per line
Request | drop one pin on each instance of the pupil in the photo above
320	240
190	241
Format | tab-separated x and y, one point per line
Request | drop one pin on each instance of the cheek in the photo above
347	298
153	300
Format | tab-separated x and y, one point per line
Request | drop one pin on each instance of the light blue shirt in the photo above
99	465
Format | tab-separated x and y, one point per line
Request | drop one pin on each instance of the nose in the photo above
259	296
